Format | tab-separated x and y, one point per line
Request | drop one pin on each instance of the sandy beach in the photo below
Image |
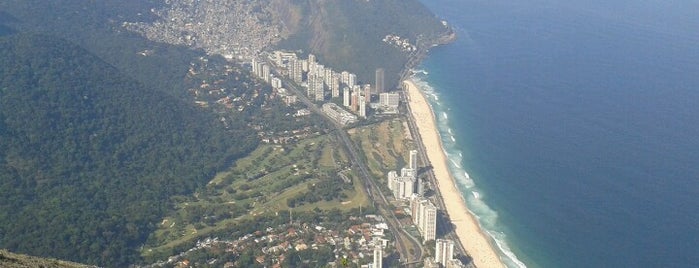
467	229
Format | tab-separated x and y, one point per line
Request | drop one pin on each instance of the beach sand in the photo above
467	229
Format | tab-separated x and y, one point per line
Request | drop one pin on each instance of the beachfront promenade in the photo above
469	234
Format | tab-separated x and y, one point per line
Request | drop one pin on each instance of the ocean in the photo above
573	127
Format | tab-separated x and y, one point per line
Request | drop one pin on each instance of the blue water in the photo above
578	123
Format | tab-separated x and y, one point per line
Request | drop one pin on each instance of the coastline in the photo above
472	238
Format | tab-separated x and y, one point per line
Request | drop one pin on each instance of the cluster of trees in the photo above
89	157
325	190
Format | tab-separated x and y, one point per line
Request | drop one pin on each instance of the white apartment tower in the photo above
378	257
413	160
444	251
428	220
335	87
266	73
389	99
362	106
352	80
346	97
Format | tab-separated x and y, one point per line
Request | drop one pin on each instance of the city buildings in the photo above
424	215
379	81
378	257
338	114
404	186
389	99
362	106
444	251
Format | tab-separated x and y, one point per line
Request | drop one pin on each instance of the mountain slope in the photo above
12	260
89	158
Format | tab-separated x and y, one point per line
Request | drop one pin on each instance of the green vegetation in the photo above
95	26
12	260
270	180
384	144
88	157
347	34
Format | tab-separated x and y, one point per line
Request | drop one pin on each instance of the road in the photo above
442	225
403	239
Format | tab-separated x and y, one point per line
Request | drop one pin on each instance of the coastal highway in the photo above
441	225
404	241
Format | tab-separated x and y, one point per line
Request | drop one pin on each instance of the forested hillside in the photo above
347	34
89	157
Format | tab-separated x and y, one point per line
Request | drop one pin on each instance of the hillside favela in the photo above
341	133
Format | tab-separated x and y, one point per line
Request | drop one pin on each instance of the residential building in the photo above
346	99
338	114
389	99
444	251
428	220
379	81
362	107
378	257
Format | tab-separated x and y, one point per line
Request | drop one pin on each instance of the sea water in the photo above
573	127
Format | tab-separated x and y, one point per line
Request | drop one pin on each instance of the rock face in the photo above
12	260
343	34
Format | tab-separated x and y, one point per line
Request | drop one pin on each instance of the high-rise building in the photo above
378	257
362	107
328	76
389	99
354	101
266	73
444	251
335	87
420	186
413	160
379	81
346	97
255	66
295	71
367	93
276	82
319	90
428	220
344	78
352	80
402	187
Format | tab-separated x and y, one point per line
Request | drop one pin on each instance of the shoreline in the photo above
467	229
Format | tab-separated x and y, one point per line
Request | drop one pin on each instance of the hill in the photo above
12	260
348	35
89	157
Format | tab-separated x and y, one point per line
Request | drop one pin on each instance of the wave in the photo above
486	217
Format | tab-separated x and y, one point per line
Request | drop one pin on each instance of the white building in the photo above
389	99
444	251
413	160
428	220
362	106
346	97
378	257
338	114
276	82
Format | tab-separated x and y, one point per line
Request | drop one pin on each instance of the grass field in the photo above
384	144
257	184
